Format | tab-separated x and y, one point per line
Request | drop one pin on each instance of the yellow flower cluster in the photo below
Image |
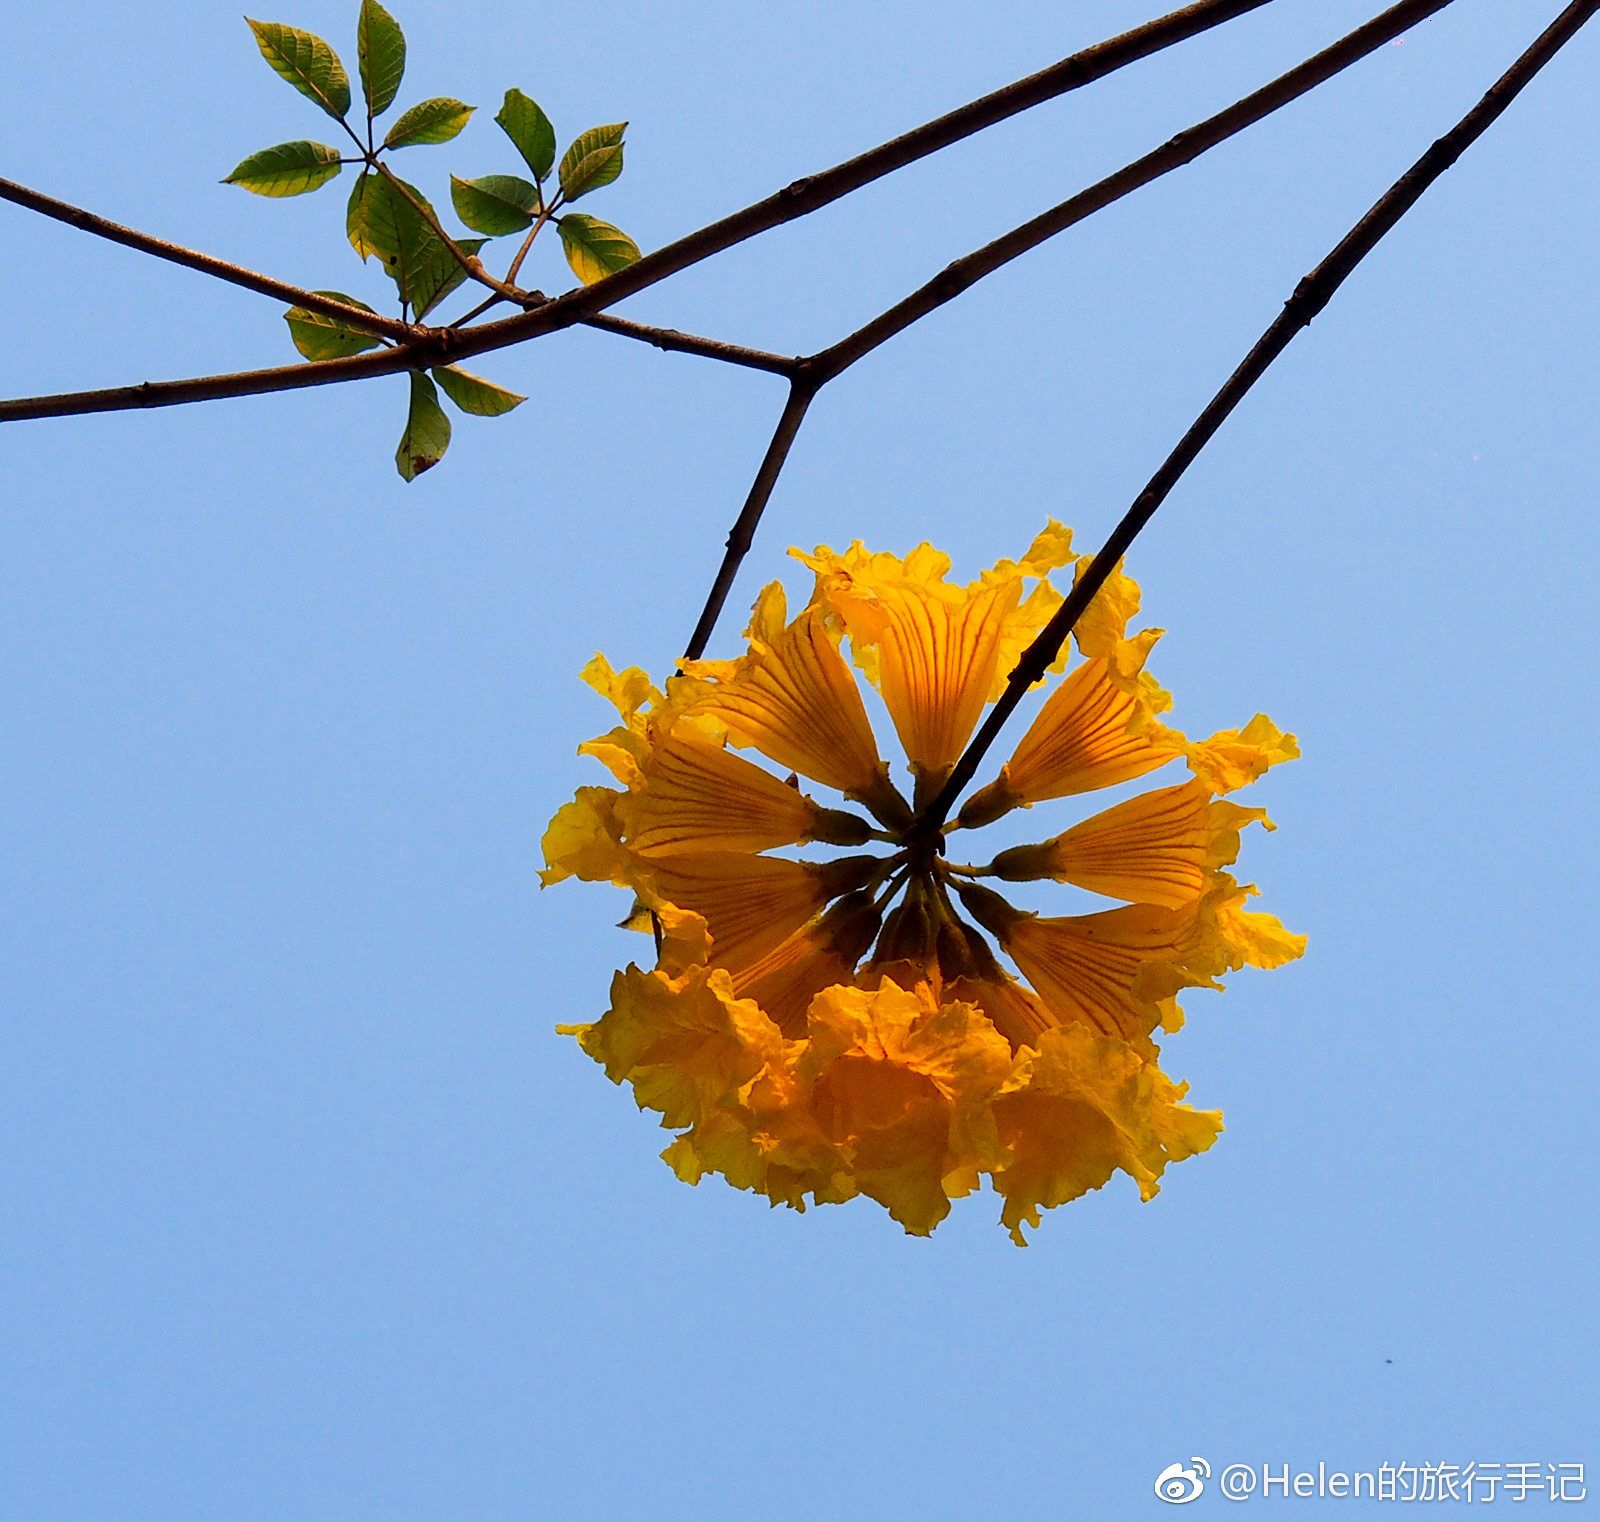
840	1027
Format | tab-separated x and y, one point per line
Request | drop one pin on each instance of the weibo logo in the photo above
1177	1484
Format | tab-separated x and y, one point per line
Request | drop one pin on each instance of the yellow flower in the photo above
830	1027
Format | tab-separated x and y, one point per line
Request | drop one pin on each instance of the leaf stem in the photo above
493	300
545	214
744	528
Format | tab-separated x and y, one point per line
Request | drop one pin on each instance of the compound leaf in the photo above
307	62
289	169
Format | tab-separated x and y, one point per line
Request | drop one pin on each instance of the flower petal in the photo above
1102	626
1090	977
686	1044
903	1090
1089	735
937	662
933	649
788	978
1016	1012
698	797
1153	849
1091	1106
1256	940
794	699
1233	758
1108	971
751	904
584	839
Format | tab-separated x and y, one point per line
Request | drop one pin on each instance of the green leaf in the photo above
290	169
472	393
319	336
307	62
427	434
594	248
381	221
381	52
431	121
593	160
440	273
496	204
530	130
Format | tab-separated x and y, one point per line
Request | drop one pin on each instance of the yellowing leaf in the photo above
593	160
289	169
320	336
307	62
431	121
427	434
594	248
471	393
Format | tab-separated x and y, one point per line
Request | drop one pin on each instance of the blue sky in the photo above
308	1212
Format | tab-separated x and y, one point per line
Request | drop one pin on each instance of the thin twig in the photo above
210	388
810	194
820	368
442	346
1173	154
1309	298
545	213
744	528
493	300
436	346
174	253
688	343
796	200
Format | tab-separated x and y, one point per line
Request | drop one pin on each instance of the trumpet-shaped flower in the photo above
826	1027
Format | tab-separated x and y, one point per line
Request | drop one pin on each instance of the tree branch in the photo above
1310	296
210	388
435	346
823	367
688	343
744	528
1173	154
174	253
796	200
810	194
